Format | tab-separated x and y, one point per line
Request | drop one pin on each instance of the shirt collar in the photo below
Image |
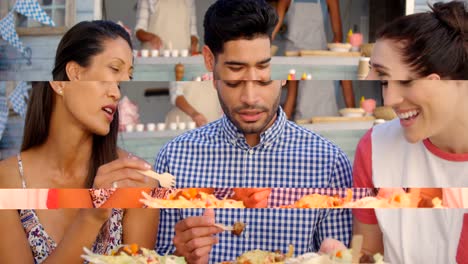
232	133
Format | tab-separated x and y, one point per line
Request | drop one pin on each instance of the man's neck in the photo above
252	139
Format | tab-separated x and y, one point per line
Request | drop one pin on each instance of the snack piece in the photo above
129	250
190	198
238	228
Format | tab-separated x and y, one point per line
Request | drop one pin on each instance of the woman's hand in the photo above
252	197
123	173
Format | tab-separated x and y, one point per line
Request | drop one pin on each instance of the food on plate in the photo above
127	254
264	257
322	201
190	198
396	200
337	257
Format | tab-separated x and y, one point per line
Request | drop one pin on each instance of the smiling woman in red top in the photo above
422	63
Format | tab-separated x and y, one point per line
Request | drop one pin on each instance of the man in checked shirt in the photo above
253	145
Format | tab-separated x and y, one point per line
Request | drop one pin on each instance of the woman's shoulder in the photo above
9	173
390	130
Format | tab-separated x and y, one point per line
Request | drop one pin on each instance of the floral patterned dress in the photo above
42	245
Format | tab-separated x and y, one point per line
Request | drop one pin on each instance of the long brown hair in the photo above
79	44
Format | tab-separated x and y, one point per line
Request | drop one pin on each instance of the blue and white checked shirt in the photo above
288	156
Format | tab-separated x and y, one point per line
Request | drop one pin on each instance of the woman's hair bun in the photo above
454	15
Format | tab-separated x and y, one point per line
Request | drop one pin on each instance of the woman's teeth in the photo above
408	115
108	110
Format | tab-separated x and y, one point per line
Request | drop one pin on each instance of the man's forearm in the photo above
335	19
290	103
281	9
185	106
348	93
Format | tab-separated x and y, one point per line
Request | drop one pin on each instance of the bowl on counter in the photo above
339	47
366	49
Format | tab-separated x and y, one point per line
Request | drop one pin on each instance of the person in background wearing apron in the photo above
194	101
426	146
306	31
167	24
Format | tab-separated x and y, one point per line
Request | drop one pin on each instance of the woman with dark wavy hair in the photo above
70	141
422	63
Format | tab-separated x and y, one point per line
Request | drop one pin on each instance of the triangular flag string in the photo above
32	9
29	8
8	32
18	98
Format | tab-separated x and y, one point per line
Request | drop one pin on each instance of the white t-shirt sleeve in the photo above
175	90
143	14
193	18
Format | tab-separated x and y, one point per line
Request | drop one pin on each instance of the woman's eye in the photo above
265	83
384	84
406	83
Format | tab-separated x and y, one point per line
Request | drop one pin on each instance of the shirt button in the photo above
251	152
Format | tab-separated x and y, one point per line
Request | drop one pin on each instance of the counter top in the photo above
321	67
321	127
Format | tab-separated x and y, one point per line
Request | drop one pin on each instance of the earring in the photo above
60	91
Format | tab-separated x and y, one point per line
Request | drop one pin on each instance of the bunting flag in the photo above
29	8
18	98
32	9
8	32
3	108
3	114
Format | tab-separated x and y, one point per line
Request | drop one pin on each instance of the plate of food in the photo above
396	200
190	198
338	257
131	254
259	256
322	201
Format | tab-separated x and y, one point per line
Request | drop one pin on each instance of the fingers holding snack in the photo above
124	172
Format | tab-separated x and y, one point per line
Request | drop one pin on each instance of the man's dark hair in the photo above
228	20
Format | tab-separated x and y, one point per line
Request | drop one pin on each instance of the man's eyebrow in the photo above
239	63
264	61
